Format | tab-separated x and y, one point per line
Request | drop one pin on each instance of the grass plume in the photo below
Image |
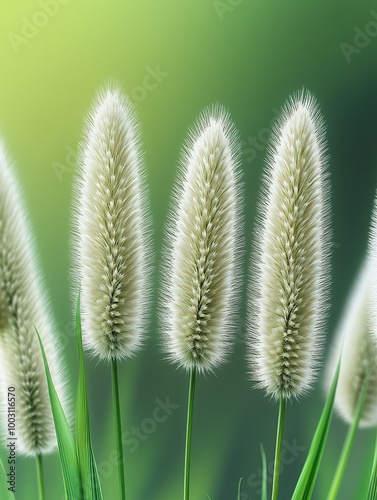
201	261
202	252
24	305
373	270
291	267
359	355
111	227
112	242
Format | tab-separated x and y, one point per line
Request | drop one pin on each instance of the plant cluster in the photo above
288	287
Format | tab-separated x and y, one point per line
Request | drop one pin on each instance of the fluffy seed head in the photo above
291	265
359	355
202	250
111	229
373	270
23	305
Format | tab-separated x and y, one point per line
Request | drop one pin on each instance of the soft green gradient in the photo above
250	61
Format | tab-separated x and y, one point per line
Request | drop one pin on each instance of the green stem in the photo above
41	487
264	474
348	444
279	437
239	488
190	407
372	489
118	428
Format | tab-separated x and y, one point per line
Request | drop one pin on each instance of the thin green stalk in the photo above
348	444
190	407
306	481
118	428
264	474
239	488
279	437
41	486
372	489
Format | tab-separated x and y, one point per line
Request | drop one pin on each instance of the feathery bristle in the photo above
112	242
23	306
373	270
290	277
202	252
359	355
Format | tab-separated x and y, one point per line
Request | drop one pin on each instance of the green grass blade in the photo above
305	484
66	443
87	465
264	474
239	488
5	494
372	488
350	438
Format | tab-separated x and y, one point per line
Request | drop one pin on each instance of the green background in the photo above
250	56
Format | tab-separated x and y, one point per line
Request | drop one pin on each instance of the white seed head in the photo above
359	355
23	305
112	230
373	270
290	279
202	250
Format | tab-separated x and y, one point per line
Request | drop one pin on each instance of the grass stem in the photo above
372	488
190	407
279	437
41	486
118	428
348	444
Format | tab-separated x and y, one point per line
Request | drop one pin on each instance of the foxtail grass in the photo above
290	281
23	305
111	239
372	489
202	255
356	397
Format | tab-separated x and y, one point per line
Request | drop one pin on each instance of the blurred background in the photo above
174	58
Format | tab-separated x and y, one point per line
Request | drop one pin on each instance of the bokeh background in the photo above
249	55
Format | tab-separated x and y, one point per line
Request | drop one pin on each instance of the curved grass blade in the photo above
87	464
264	474
372	488
305	484
66	443
347	446
239	488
